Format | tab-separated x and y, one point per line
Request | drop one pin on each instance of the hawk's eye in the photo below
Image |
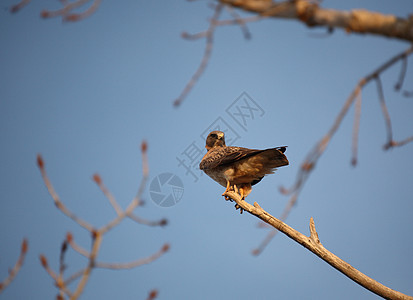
213	135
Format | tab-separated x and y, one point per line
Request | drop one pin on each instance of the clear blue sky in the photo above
86	94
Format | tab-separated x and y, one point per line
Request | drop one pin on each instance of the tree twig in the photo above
68	7
15	8
16	268
59	204
313	244
312	157
136	263
356	128
209	35
97	234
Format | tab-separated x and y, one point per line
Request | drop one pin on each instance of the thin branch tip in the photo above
166	247
144	146
43	261
96	178
152	294
25	246
40	161
69	237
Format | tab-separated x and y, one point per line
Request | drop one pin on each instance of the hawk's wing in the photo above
222	156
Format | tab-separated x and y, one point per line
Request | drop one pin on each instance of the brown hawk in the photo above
236	167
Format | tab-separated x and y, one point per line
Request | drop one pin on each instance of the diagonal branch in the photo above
59	204
15	8
385	111
313	244
136	263
209	35
356	129
82	251
108	194
137	219
13	272
312	157
68	7
310	13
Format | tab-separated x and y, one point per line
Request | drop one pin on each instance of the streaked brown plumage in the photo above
236	167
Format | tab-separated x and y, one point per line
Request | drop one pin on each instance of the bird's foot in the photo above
241	210
227	198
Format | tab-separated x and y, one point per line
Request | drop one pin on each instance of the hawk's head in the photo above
215	139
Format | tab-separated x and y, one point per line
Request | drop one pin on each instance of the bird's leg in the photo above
241	193
226	190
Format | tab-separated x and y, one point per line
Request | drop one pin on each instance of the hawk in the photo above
237	167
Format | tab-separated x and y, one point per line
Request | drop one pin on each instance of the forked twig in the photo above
209	36
312	157
97	234
66	11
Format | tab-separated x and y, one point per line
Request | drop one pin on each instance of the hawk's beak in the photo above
220	135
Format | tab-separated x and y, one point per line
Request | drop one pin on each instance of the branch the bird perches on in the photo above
313	244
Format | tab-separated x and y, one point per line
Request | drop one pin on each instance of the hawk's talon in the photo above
241	210
226	197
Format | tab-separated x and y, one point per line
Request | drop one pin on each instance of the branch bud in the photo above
97	179
165	248
45	14
40	162
25	246
69	237
43	260
153	294
144	146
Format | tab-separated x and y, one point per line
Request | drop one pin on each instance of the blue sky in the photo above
86	94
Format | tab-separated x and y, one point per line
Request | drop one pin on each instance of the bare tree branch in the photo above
356	128
82	251
312	157
108	194
313	244
15	8
97	234
209	35
16	268
309	12
59	204
136	263
66	11
385	111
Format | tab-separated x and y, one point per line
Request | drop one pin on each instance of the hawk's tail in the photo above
275	157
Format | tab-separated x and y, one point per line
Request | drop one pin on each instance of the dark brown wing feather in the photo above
222	156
